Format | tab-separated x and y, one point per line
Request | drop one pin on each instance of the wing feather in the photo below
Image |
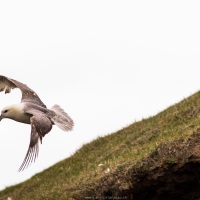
33	149
28	95
40	125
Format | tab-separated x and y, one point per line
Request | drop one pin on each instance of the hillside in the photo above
156	158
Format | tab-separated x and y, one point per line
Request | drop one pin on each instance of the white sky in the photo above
107	63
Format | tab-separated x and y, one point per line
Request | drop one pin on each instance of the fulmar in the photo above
31	110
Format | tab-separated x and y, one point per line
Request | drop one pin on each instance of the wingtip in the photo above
30	157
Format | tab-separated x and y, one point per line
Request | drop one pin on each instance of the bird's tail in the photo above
62	119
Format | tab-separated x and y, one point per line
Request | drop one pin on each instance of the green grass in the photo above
106	157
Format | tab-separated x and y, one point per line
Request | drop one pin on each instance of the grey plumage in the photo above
33	111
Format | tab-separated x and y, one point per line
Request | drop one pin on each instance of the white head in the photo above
6	112
11	111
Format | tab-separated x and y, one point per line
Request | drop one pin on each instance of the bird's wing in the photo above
40	125
33	149
28	95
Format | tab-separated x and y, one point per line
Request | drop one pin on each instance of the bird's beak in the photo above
1	117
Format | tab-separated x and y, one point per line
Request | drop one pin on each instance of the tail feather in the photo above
62	119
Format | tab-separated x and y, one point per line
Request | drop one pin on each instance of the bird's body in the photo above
33	111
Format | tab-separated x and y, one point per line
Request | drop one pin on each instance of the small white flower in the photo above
107	170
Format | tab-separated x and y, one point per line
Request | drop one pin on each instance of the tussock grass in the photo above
115	155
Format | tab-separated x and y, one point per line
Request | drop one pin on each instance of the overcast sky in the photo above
107	63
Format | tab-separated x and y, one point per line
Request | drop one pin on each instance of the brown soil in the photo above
171	172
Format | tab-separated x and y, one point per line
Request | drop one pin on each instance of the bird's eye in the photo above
5	111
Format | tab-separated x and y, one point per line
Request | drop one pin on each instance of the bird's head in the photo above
7	112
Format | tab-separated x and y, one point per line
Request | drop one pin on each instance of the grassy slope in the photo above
90	168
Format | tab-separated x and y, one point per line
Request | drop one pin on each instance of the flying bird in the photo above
31	110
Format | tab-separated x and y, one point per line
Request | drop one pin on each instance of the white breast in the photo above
17	113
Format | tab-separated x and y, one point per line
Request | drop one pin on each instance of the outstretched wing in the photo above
40	125
28	95
33	149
